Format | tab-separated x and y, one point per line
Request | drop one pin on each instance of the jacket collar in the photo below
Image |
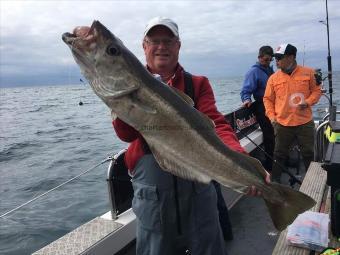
177	75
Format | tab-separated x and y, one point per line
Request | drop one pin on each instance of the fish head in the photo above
103	59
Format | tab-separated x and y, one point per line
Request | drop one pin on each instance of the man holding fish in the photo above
175	149
188	217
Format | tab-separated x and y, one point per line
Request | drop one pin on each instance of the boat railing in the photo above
110	186
320	142
3	215
119	185
320	139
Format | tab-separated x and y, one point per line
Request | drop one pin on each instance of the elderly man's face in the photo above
161	49
285	61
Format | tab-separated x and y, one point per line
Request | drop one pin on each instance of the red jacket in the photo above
204	102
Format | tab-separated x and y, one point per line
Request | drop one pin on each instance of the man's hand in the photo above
113	115
273	121
247	103
252	191
81	31
87	36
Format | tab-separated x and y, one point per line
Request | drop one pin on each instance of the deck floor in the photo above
253	230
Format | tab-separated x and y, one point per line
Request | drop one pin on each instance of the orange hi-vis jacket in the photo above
284	92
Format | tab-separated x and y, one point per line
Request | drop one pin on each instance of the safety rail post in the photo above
332	113
109	179
325	117
320	141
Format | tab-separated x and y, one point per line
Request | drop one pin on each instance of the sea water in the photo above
46	138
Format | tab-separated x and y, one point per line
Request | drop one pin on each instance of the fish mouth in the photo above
82	41
84	35
80	36
68	38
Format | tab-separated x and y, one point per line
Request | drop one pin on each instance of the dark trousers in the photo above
268	133
284	137
223	214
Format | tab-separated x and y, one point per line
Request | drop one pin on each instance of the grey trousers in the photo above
170	222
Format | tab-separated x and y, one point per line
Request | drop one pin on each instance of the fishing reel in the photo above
318	76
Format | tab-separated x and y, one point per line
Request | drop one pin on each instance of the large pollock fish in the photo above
182	139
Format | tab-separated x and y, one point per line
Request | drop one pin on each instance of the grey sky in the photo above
219	38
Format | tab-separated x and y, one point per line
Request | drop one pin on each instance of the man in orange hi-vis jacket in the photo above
289	95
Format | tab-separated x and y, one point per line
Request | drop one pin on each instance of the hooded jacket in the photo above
255	82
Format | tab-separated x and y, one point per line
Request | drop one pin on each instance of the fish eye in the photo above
112	50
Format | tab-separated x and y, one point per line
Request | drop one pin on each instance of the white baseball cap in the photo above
162	21
285	49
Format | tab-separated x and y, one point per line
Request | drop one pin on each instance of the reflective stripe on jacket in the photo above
284	92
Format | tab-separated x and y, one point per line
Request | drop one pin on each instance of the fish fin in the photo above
184	96
113	115
145	108
190	102
104	90
293	203
209	121
198	177
257	165
175	169
123	92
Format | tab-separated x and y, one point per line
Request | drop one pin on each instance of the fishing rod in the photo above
50	190
329	57
292	179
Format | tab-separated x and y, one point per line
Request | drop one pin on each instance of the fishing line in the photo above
60	185
284	169
69	67
82	82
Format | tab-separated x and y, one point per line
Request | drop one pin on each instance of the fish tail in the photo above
293	203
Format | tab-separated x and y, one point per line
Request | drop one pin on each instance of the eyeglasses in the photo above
164	41
279	57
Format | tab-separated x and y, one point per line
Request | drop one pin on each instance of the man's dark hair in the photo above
266	50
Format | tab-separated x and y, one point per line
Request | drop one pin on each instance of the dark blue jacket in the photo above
255	82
